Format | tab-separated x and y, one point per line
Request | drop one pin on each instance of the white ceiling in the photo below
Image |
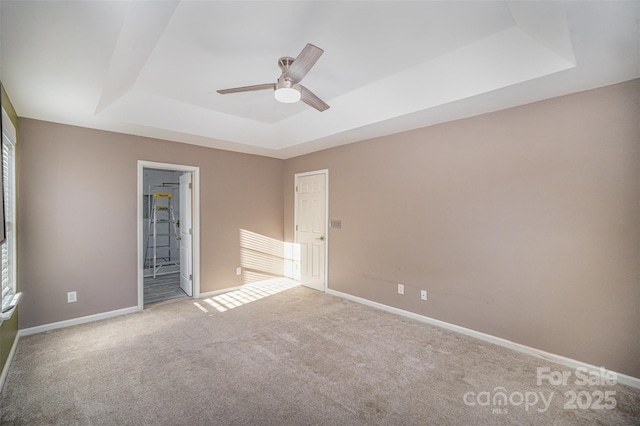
153	68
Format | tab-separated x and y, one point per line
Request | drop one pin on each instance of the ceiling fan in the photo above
288	88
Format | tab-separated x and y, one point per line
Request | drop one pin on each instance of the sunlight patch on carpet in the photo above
247	294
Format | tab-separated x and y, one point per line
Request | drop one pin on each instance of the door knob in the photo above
320	238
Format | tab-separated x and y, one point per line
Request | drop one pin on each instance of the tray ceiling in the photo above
153	68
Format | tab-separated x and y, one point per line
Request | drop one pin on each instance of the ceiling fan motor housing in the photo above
284	63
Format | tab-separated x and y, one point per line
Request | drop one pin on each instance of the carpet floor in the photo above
291	357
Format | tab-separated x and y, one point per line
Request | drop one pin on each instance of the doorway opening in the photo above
168	232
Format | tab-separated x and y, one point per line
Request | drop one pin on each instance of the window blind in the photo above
8	246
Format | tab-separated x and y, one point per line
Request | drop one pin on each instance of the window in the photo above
8	248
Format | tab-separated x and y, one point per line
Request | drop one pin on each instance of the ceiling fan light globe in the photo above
287	95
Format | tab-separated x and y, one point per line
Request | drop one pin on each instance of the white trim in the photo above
76	321
8	127
142	164
324	172
572	363
7	364
7	315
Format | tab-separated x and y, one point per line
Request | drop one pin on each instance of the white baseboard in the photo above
572	363
76	321
7	364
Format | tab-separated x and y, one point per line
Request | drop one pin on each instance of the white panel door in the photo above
186	265
311	229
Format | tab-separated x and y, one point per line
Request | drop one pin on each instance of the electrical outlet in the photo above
400	288
423	294
72	296
238	270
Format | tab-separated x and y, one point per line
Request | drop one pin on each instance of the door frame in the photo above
324	172
195	225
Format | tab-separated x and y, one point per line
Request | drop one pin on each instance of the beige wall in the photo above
77	215
523	224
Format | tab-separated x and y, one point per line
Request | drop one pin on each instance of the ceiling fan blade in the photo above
247	88
312	100
303	63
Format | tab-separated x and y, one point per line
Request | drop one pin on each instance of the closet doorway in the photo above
167	232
